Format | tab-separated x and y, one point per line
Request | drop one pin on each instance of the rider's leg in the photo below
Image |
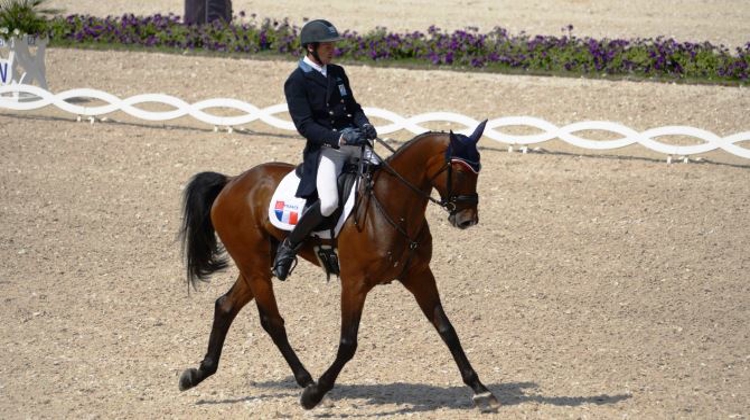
331	162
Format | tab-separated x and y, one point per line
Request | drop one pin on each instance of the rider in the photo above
325	113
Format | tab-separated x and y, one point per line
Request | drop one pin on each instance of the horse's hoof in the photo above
486	402
311	397
188	379
305	380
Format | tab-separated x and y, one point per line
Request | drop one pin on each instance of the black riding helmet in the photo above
318	30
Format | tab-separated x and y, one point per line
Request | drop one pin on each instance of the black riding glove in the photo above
369	132
352	137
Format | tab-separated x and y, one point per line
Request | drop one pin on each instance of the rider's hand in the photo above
352	137
369	132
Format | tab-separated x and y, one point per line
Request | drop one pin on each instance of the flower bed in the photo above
659	58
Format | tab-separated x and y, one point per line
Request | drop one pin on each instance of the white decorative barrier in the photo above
548	131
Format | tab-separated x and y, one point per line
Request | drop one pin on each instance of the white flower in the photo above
16	32
4	30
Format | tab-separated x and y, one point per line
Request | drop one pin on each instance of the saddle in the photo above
285	209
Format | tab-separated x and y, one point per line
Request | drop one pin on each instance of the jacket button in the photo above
330	112
349	115
342	101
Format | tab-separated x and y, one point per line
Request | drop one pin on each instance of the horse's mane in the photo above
409	143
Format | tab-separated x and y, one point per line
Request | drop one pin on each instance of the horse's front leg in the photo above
352	302
225	310
273	323
422	286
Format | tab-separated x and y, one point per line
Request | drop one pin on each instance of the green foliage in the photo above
18	17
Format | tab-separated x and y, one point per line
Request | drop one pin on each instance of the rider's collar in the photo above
308	65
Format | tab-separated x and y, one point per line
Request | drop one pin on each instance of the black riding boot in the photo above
287	252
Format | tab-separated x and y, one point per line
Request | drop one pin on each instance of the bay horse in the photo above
386	238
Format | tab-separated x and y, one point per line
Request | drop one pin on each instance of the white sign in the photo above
22	65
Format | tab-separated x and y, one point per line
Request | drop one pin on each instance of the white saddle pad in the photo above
285	209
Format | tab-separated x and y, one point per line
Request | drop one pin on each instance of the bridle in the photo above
450	201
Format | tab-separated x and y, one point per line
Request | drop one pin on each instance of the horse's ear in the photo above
454	139
456	144
477	134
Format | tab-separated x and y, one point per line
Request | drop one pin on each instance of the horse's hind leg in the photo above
225	310
422	286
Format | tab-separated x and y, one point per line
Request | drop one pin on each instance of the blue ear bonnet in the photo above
465	150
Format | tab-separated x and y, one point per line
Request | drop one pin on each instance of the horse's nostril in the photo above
467	223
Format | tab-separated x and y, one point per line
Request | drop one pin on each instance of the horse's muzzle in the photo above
464	219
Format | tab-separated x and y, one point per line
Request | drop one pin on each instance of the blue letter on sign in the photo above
4	73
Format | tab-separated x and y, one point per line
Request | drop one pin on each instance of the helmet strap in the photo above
314	52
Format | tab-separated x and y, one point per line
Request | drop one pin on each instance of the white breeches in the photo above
331	163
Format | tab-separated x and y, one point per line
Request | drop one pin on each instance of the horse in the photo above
386	238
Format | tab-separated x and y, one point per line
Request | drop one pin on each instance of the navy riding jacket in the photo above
320	108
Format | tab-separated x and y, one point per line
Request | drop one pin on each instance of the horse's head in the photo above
457	182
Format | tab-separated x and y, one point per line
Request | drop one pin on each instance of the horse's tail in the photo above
203	254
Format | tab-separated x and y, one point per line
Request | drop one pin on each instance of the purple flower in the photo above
466	47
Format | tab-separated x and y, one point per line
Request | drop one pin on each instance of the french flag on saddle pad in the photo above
287	212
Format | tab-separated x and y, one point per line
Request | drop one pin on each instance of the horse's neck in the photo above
412	163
